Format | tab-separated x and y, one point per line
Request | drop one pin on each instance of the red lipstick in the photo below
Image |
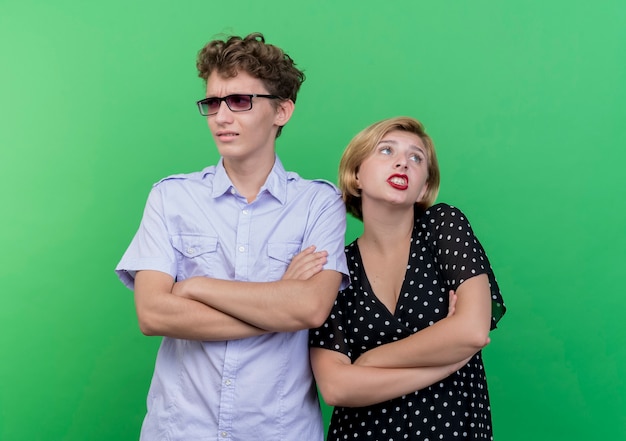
398	181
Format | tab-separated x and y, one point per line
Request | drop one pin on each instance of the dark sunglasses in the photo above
236	103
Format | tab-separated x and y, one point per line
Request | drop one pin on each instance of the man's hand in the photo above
184	288
305	264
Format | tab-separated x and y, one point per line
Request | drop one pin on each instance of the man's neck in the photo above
248	177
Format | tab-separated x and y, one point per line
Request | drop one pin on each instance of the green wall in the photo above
524	99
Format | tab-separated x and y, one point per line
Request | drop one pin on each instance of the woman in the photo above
390	358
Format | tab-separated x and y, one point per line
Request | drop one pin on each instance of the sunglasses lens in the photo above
211	105
236	103
239	103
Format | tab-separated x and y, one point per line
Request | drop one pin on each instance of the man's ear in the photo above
284	111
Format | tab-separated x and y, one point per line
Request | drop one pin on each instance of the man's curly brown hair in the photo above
252	55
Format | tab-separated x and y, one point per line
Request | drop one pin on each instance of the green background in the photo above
525	102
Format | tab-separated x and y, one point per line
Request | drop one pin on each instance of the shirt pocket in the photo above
279	256
196	254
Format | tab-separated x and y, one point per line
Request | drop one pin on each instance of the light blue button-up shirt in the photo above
258	388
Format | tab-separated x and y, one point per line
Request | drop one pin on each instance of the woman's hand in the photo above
452	303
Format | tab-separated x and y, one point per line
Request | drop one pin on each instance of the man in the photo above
208	265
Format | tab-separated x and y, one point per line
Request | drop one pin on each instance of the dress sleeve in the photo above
458	252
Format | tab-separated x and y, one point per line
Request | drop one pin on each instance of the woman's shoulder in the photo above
440	212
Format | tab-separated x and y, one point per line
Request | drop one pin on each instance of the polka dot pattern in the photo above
444	253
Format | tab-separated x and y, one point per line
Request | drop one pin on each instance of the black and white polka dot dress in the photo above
444	253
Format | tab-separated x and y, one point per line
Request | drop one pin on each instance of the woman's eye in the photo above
385	150
416	158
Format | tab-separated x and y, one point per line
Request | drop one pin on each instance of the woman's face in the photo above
395	172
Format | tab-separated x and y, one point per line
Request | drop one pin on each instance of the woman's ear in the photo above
422	193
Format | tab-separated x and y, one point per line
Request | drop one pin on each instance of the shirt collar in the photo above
275	184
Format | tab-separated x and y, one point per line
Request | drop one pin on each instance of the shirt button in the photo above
224	434
245	211
227	382
191	250
242	249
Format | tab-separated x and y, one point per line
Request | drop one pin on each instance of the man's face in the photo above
247	136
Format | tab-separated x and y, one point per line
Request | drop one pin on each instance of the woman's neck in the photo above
383	229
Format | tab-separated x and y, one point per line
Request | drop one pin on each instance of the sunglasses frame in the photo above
226	99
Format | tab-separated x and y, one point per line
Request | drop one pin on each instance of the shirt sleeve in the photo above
327	228
458	252
151	247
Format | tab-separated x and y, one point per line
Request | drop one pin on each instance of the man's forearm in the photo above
196	321
161	313
280	306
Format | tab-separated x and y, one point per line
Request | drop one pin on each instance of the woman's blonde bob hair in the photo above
362	146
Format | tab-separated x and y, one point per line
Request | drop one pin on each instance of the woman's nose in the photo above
401	163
